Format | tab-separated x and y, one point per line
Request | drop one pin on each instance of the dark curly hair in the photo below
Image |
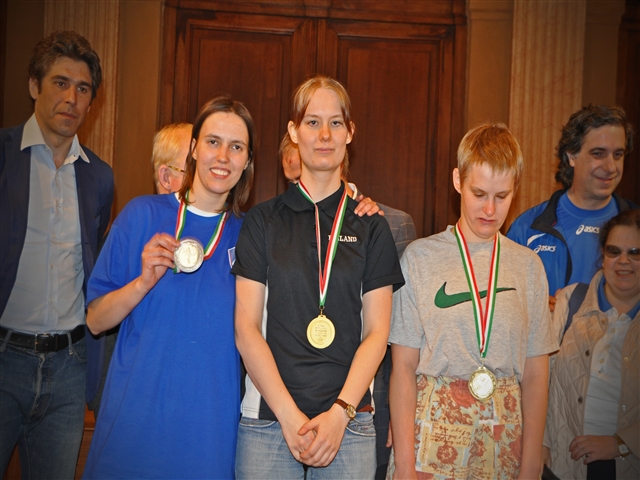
628	218
65	44
579	124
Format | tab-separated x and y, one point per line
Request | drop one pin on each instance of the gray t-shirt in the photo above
434	312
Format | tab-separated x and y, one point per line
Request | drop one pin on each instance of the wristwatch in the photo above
622	447
350	409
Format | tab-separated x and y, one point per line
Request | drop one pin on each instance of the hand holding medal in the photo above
482	383
157	258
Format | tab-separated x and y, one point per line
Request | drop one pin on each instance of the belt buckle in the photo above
43	339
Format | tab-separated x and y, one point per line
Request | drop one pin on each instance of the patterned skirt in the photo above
457	436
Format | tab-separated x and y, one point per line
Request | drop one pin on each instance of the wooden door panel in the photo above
251	58
399	78
402	62
628	95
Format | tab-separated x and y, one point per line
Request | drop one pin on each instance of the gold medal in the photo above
189	255
321	332
482	384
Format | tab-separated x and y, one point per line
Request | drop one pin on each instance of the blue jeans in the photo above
42	401
381	417
262	452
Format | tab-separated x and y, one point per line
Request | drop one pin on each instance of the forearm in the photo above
377	317
402	406
535	394
104	313
363	368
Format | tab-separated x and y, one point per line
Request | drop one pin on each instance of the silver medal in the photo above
189	255
482	384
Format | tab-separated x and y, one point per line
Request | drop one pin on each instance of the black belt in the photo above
43	342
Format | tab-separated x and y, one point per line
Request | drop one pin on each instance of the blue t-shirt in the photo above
581	229
171	403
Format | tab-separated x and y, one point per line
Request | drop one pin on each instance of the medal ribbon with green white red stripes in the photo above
215	238
332	247
483	321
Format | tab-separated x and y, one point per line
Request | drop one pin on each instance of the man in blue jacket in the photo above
563	231
56	198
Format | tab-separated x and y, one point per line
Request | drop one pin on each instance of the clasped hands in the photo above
315	442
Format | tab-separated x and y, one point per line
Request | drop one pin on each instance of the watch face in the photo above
351	412
623	449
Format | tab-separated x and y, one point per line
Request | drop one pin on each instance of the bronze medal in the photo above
321	332
482	384
189	255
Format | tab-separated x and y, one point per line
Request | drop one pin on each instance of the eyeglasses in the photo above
612	251
176	169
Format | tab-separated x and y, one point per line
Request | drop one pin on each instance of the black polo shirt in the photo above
277	247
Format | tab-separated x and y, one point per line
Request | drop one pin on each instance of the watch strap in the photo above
350	409
622	447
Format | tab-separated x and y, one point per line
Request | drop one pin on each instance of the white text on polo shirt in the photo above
347	238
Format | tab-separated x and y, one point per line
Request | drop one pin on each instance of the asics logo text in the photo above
545	248
587	229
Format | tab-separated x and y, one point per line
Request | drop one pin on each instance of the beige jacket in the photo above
570	375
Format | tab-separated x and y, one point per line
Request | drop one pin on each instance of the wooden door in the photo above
628	95
403	63
400	80
251	58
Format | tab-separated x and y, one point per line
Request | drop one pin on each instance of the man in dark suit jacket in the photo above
55	198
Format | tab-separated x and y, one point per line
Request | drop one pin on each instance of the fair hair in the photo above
167	144
302	98
491	144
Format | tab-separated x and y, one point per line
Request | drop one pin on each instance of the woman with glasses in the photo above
172	396
593	424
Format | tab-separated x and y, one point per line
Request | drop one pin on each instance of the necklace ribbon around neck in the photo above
483	320
332	247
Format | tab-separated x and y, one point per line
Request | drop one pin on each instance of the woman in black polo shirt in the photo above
314	285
